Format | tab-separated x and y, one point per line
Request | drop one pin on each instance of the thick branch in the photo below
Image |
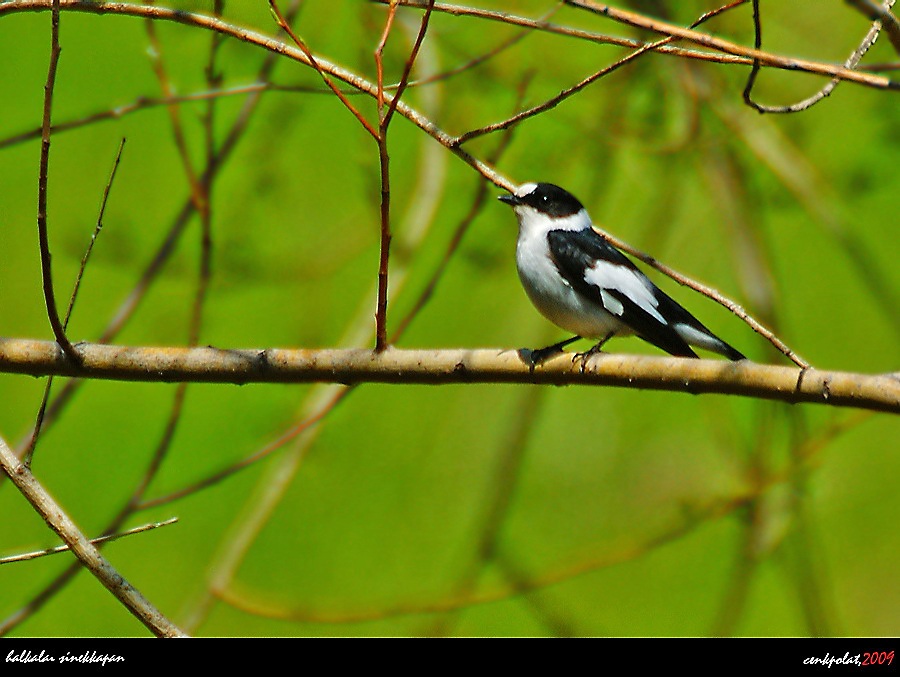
440	367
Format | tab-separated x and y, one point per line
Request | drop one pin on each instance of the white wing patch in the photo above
611	303
626	281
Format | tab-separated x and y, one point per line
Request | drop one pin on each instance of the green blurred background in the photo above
461	510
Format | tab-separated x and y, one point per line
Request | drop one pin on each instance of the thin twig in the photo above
711	293
242	597
566	93
408	66
146	102
46	272
852	62
143	103
214	80
57	519
385	115
120	320
332	397
130	304
425	123
380	137
882	14
204	189
740	54
543	25
211	480
384	212
731	53
38	425
286	27
481	195
712	42
96	541
162	76
97	229
329	404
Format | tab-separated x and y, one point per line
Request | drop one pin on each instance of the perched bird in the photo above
583	284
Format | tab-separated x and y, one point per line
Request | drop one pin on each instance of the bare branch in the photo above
385	115
425	124
408	66
732	53
286	27
851	62
46	272
292	433
102	539
384	119
36	430
441	367
542	24
83	549
712	42
478	202
97	229
146	102
574	89
710	293
162	76
164	251
882	14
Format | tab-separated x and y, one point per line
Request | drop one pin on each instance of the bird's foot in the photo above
595	350
585	356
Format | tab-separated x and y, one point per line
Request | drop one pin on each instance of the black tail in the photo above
731	353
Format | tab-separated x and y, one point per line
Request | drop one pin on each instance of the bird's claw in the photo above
585	356
596	349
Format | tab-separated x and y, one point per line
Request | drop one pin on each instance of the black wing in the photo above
576	252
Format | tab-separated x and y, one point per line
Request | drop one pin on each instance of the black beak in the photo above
510	200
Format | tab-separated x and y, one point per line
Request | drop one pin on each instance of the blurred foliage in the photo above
476	510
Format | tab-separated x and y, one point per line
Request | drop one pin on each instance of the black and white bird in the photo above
583	284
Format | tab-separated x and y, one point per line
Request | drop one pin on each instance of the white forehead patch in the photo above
525	189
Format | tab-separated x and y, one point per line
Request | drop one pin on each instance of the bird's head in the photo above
546	203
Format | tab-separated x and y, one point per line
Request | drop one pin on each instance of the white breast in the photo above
552	295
